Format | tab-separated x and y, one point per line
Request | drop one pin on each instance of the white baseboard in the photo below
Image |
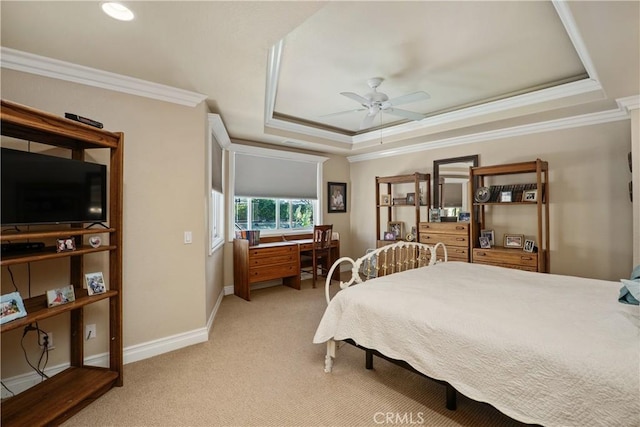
135	353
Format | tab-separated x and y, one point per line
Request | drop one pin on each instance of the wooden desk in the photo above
271	260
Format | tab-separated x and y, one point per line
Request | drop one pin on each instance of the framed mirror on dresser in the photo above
452	203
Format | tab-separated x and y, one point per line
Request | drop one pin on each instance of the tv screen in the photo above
41	189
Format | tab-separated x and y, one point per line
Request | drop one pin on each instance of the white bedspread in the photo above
541	348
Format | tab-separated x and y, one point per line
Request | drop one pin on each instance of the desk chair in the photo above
321	252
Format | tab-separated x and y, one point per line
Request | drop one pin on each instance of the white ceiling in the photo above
275	70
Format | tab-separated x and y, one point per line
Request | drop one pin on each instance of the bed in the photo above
541	348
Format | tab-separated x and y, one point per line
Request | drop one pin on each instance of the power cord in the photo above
45	349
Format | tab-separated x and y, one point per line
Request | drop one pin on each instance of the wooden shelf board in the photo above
37	309
44	234
50	253
400	179
58	397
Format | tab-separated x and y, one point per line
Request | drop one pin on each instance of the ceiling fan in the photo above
376	102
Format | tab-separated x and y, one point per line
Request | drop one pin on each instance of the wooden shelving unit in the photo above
59	397
388	183
511	257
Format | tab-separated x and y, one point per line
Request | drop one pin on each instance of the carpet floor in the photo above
260	368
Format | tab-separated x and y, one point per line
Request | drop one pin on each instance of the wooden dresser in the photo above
267	261
454	235
508	257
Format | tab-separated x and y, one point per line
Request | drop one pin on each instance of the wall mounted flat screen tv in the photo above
42	189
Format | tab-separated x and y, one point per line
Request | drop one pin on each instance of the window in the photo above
216	220
218	138
251	213
274	191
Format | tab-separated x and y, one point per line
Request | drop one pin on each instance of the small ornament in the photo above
95	241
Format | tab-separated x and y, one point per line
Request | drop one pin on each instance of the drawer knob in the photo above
526	258
481	254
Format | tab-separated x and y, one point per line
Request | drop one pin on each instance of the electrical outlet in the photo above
49	340
90	331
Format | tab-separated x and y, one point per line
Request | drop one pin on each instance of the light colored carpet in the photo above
260	368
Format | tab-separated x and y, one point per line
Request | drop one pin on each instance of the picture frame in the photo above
397	228
336	197
529	245
411	198
489	234
464	216
66	244
95	283
505	196
513	241
11	307
389	235
484	242
385	200
434	215
60	296
530	196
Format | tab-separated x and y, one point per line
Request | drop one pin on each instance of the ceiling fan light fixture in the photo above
117	11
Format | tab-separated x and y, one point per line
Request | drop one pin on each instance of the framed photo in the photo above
385	200
434	215
505	196
64	245
489	234
389	235
484	242
529	245
337	194
411	198
397	228
513	240
530	196
12	307
95	283
464	216
60	296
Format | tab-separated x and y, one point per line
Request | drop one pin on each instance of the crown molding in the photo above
547	126
13	59
629	103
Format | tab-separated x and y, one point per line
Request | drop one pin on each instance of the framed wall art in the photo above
337	197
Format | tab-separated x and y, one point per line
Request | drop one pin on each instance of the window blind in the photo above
216	166
275	177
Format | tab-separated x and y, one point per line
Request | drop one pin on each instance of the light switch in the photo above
188	238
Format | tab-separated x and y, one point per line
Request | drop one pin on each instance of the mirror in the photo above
450	189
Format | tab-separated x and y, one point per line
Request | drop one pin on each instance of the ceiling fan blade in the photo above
406	114
367	122
359	99
339	113
412	97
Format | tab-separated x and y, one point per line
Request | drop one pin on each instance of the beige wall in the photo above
590	211
164	195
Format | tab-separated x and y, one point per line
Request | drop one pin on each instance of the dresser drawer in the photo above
447	239
455	254
272	260
260	274
444	227
514	257
273	251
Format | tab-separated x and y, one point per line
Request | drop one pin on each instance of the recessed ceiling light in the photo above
117	11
